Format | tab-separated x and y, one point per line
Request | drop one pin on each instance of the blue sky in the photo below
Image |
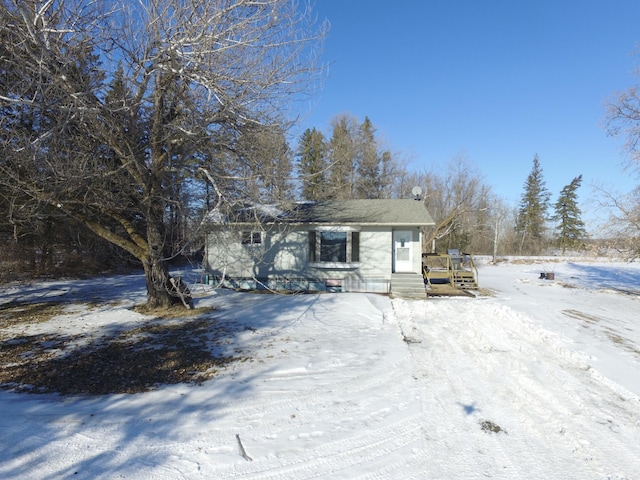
495	80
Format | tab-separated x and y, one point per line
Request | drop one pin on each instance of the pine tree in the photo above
387	170
342	152
532	213
570	230
277	183
312	164
265	162
368	183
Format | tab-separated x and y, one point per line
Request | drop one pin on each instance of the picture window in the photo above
333	246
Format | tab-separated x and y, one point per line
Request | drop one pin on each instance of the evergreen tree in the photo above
312	164
389	170
532	213
263	164
350	165
342	152
278	180
368	182
570	230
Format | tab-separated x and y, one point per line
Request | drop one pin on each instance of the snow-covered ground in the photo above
539	380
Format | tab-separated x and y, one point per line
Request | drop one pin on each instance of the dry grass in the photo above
177	346
13	314
485	292
176	311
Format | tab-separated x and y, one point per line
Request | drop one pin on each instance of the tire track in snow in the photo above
450	427
351	398
563	397
355	453
524	379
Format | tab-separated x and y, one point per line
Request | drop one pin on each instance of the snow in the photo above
537	380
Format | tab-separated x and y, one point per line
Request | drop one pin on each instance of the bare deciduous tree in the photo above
454	199
106	106
623	120
621	231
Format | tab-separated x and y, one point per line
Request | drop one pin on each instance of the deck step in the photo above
408	286
464	279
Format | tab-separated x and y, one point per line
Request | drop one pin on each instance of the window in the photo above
251	238
334	246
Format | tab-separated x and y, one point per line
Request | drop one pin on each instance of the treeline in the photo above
119	132
352	163
349	161
469	216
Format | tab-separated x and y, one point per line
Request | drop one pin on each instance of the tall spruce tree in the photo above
532	213
341	154
312	164
267	164
368	181
279	165
570	230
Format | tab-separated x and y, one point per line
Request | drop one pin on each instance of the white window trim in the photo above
335	265
335	229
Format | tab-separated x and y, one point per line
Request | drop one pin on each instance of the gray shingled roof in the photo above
363	212
331	212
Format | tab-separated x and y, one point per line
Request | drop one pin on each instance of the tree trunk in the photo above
162	290
156	269
157	276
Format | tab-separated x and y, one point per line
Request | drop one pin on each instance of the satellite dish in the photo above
417	191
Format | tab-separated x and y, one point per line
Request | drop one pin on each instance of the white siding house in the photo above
350	245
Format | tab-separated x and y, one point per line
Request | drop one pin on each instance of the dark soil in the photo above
168	349
490	427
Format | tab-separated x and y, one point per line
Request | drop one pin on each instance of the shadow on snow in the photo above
607	277
209	349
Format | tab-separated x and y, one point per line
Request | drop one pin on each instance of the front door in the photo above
402	251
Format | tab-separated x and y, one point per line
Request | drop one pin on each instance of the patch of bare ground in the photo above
173	312
485	292
623	342
490	427
176	346
19	313
535	261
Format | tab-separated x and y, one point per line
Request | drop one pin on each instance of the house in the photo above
337	245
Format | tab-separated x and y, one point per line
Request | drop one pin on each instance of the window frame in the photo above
351	248
251	238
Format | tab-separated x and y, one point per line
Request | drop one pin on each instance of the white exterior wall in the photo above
284	255
376	252
225	255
